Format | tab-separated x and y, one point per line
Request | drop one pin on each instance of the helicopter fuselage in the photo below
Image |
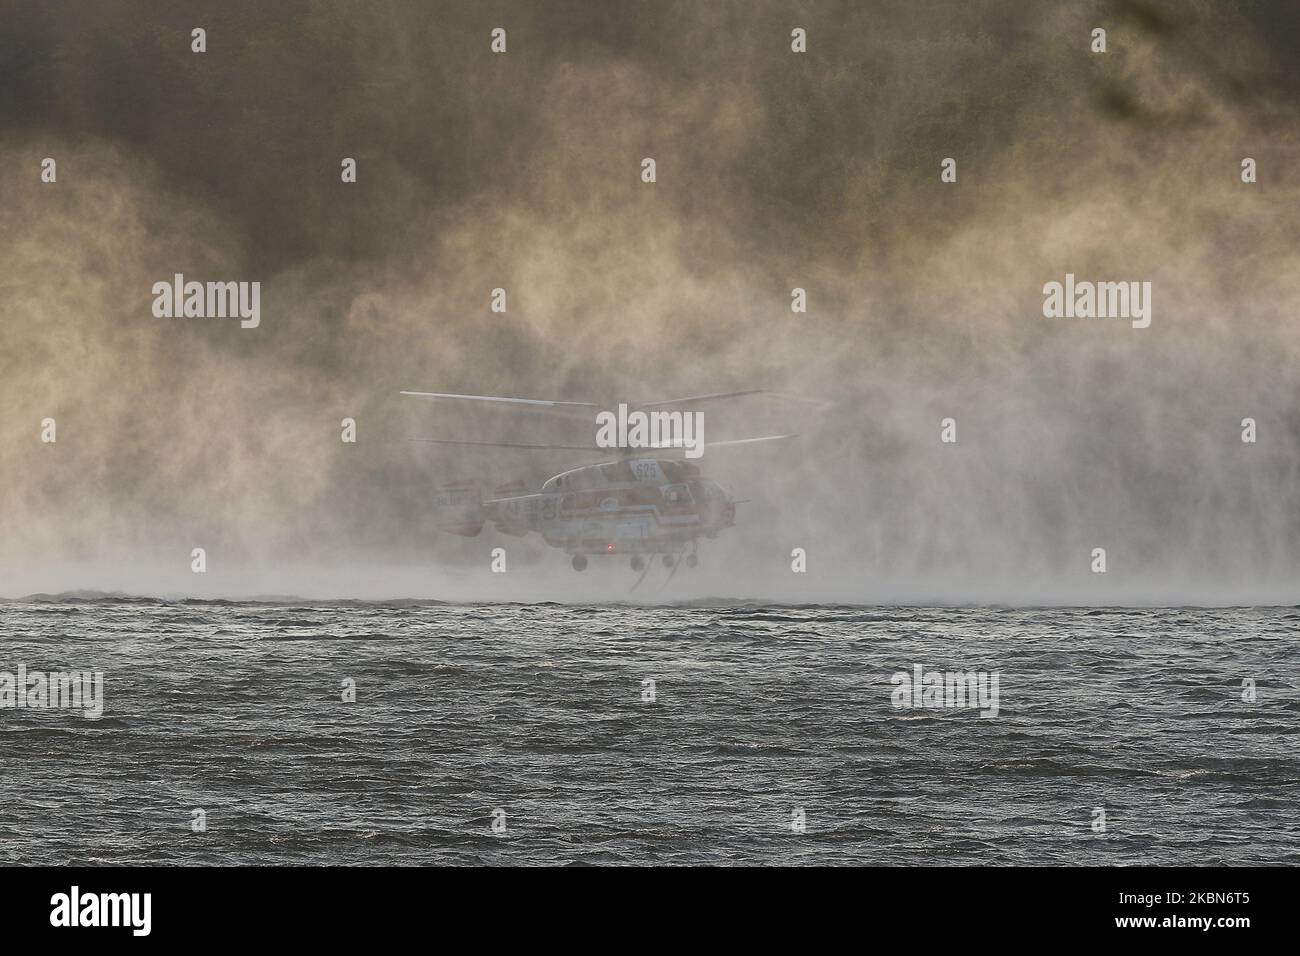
644	503
624	507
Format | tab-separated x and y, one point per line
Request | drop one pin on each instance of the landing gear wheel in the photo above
638	562
579	562
692	560
669	560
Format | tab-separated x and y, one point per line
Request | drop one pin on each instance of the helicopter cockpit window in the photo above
618	471
707	489
678	496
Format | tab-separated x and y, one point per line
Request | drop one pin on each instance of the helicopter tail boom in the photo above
458	509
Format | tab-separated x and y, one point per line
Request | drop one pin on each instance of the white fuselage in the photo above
634	506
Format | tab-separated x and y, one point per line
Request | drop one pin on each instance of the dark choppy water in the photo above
537	710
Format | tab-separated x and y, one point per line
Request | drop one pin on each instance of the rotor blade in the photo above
698	399
510	444
501	400
804	399
676	443
749	441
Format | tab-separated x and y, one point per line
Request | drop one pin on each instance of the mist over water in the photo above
775	171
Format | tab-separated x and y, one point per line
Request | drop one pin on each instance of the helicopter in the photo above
643	504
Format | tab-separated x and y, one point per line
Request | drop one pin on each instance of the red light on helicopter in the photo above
609	548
